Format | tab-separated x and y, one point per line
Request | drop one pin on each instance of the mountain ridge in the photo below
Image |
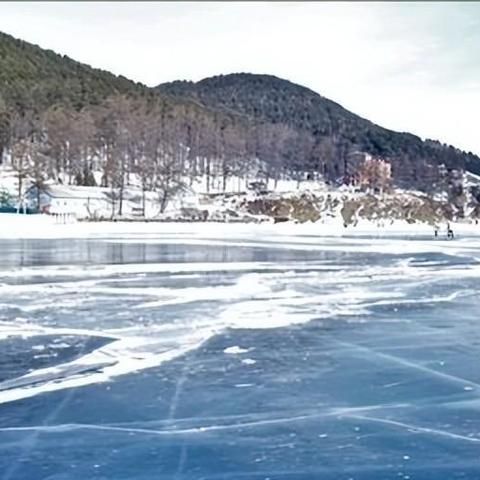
33	77
291	129
270	98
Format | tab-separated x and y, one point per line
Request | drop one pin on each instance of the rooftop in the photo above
75	191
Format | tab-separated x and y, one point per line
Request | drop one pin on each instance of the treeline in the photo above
163	145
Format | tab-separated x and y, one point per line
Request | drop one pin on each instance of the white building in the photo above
81	202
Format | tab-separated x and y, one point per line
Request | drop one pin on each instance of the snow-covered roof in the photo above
76	192
472	179
358	152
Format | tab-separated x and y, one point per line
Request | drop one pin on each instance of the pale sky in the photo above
406	66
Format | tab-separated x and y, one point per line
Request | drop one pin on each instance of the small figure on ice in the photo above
450	234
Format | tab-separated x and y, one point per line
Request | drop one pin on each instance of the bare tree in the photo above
38	171
4	127
168	179
21	153
24	148
375	174
115	122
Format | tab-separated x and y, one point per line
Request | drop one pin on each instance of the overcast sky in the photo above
406	66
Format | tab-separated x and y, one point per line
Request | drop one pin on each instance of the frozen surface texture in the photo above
239	353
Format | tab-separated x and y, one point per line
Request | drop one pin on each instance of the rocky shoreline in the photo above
345	207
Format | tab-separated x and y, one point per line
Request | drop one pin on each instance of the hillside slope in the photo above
240	125
34	78
266	98
35	82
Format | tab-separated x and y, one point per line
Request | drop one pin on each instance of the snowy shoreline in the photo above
13	226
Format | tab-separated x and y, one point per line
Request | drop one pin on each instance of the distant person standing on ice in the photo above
449	232
435	230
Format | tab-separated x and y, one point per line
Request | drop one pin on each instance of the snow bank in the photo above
45	226
28	226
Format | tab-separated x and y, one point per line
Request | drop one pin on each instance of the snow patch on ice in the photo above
235	350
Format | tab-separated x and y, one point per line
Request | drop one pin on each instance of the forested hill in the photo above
270	99
72	119
32	78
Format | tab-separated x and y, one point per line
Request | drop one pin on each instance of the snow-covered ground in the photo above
329	207
95	202
46	226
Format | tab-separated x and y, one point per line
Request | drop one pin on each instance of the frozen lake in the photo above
252	356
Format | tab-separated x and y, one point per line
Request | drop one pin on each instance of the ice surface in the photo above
246	294
239	353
